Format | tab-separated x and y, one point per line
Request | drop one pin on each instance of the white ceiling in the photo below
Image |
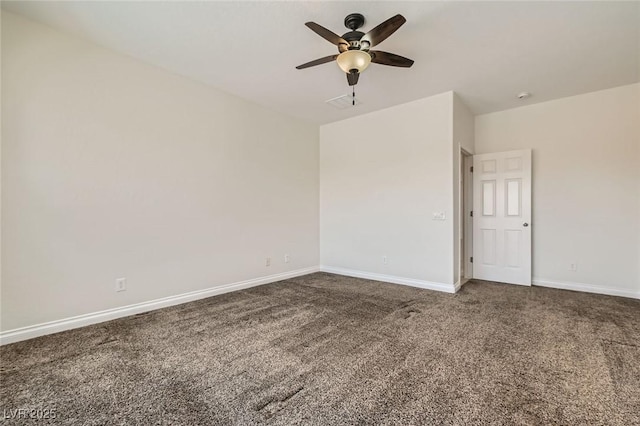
485	51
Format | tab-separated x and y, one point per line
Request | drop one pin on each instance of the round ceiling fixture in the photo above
351	60
524	95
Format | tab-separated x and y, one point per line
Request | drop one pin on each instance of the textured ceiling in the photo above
485	51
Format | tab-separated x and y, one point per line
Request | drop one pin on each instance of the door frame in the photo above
465	241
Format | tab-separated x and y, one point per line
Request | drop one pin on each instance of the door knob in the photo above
525	224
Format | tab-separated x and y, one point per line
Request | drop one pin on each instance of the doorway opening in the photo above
465	244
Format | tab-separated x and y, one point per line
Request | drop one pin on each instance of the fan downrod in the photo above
353	21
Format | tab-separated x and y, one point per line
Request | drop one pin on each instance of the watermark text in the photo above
29	413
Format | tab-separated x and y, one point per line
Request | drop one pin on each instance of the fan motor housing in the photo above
353	37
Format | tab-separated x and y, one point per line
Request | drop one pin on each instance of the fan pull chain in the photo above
353	96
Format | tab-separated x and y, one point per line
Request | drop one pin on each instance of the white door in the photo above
502	217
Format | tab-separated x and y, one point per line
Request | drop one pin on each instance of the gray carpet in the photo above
324	349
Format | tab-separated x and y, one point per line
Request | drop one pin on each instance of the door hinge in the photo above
471	213
471	169
471	259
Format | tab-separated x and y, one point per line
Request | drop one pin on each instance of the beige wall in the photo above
586	185
382	175
113	168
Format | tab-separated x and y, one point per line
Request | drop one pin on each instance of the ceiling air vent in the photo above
343	102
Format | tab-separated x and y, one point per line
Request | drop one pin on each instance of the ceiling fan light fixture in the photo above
353	60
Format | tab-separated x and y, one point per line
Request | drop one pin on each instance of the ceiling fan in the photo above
354	55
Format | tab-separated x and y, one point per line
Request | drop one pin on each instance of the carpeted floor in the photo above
325	349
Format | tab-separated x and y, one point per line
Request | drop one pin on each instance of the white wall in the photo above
382	175
586	185
113	168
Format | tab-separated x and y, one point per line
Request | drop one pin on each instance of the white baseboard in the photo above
29	332
587	288
429	285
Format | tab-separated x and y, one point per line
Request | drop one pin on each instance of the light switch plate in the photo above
439	216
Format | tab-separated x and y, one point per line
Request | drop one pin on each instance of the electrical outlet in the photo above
384	260
267	261
121	284
573	267
286	258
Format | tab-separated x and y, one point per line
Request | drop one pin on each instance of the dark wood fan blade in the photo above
352	78
330	36
386	58
384	30
318	62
